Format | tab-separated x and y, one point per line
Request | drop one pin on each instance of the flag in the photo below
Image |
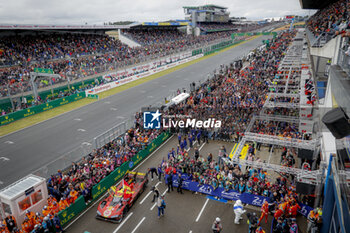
126	186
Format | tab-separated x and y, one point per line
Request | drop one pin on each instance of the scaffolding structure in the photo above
286	84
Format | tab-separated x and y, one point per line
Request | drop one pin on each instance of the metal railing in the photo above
64	161
109	135
344	60
319	40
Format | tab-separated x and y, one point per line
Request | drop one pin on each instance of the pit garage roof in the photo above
18	188
315	4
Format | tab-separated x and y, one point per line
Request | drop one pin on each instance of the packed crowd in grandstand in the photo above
218	27
78	56
335	18
236	94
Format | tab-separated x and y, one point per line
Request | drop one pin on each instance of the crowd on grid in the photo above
217	26
333	19
236	93
281	191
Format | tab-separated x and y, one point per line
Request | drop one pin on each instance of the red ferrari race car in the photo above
120	199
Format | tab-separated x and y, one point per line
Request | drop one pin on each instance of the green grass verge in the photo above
37	118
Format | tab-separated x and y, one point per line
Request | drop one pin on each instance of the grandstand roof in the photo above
165	23
315	4
60	27
210	5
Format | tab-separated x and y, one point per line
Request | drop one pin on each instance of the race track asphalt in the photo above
27	150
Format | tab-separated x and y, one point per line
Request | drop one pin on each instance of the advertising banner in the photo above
231	195
72	211
11	117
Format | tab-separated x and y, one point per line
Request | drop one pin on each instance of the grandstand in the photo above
328	40
78	53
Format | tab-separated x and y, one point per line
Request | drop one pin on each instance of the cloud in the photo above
97	12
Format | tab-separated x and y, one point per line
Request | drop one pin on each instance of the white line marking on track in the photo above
164	192
121	224
154	205
201	146
148	194
200	213
86	143
9	142
4	159
145	197
137	226
103	196
81	130
113	109
77	119
107	102
120	117
190	232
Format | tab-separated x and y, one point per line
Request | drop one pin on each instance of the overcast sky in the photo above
99	11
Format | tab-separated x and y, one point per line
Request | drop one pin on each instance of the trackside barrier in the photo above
79	205
11	117
118	173
218	47
6	103
108	181
72	211
231	195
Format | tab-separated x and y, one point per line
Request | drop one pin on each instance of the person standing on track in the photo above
179	137
206	136
160	172
161	206
155	193
190	140
217	227
199	134
179	186
222	153
196	153
264	212
152	170
238	210
170	182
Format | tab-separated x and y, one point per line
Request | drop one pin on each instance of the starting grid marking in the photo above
137	226
122	223
9	142
4	159
81	130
